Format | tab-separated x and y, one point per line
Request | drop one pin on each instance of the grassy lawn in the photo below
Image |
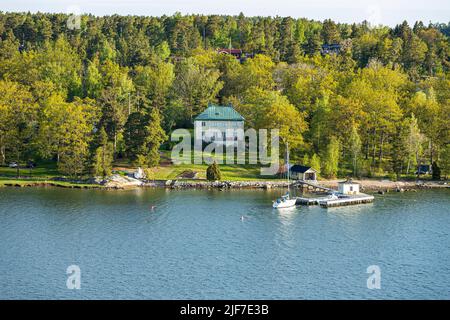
47	170
229	172
43	170
42	174
30	182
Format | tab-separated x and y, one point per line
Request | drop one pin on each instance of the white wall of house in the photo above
348	188
222	131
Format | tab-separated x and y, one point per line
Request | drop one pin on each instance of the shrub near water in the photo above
213	172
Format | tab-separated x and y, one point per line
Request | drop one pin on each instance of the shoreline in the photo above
385	185
371	185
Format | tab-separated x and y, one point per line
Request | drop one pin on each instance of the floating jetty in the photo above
347	200
348	194
343	200
309	201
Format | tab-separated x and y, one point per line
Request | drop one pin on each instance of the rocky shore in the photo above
367	185
377	185
180	184
119	182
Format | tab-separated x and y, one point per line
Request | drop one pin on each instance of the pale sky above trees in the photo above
387	12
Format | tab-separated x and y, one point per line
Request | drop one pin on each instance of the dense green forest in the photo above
117	86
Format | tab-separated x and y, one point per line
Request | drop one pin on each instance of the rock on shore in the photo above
117	181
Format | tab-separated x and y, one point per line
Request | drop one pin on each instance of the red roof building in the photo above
234	52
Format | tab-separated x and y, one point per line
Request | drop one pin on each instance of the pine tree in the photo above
155	136
436	171
103	158
330	32
313	45
134	134
399	148
213	172
445	160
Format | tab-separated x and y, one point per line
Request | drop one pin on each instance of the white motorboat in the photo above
332	196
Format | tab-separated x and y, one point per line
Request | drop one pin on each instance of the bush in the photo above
393	177
213	172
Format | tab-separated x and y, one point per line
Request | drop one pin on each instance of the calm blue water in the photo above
194	245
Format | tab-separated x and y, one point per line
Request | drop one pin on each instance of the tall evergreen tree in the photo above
154	137
103	159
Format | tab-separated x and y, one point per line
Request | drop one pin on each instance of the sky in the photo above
386	12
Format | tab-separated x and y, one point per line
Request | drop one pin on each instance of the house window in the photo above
203	123
351	188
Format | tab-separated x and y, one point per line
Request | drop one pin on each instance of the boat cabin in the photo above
348	187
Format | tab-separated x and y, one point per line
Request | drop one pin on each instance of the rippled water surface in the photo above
195	245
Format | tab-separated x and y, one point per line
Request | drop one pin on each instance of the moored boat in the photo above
285	201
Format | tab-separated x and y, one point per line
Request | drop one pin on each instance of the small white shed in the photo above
348	187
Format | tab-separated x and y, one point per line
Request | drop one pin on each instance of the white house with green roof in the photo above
219	124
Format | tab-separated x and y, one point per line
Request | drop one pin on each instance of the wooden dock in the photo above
326	201
312	185
309	201
347	200
344	200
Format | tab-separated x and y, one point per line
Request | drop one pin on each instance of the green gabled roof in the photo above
219	113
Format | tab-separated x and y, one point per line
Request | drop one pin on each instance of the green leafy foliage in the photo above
213	172
380	104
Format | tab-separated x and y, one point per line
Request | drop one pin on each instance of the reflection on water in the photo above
166	244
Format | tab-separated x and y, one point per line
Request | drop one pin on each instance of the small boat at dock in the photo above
285	201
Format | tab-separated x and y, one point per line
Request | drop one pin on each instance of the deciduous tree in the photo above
331	158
